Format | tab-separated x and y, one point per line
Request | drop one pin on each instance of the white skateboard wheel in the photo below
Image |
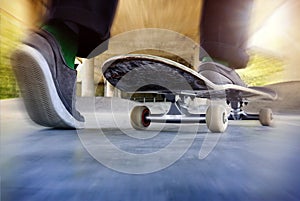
265	117
216	118
138	117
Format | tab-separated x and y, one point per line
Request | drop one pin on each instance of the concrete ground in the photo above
110	161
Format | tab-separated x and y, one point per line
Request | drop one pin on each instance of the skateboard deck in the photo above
137	73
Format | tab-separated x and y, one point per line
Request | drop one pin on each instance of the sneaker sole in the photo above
39	93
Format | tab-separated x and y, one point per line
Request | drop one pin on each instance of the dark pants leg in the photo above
224	30
94	18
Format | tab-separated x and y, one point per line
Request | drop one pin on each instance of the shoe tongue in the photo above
213	66
229	73
225	68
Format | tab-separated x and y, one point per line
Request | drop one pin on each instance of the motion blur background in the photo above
274	33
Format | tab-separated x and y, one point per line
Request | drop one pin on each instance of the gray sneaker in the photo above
220	74
47	84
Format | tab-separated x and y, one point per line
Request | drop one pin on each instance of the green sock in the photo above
66	38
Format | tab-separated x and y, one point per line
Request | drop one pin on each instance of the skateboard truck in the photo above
215	117
237	113
265	115
177	113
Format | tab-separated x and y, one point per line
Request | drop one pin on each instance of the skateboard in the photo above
138	73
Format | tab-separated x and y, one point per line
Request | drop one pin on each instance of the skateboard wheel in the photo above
265	117
138	117
216	118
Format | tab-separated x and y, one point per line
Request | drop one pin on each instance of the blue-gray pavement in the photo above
249	162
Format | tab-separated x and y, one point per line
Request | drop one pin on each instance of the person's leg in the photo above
91	20
44	63
223	36
224	30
